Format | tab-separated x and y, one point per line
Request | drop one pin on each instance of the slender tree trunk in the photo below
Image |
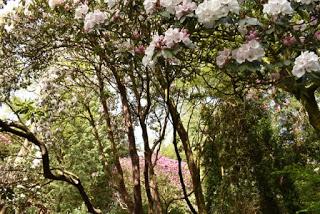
132	145
193	168
119	176
151	183
310	104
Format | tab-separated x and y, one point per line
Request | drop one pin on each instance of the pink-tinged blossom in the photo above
157	42
223	57
5	139
165	167
174	35
289	40
81	11
252	35
277	7
313	21
210	11
185	8
139	50
171	38
306	62
249	51
317	35
54	3
185	38
94	18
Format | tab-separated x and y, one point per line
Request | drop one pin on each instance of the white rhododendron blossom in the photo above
157	42
223	57
211	10
54	3
8	9
81	11
94	18
249	51
149	5
169	40
186	7
179	8
170	5
174	35
111	3
306	62
9	28
277	7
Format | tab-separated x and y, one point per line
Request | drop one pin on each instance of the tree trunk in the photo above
193	168
310	104
151	183
132	145
119	176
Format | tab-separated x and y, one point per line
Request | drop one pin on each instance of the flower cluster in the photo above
94	18
211	10
8	9
178	7
186	7
166	167
276	7
169	40
249	51
223	57
54	3
306	62
81	11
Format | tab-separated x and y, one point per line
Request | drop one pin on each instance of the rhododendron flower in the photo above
172	36
54	3
9	28
276	7
149	5
8	8
223	57
211	10
306	62
94	18
317	35
170	5
81	11
250	51
157	41
185	8
289	40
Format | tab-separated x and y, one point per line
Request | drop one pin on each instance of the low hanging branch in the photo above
59	175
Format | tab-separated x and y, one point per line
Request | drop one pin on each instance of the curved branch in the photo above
60	175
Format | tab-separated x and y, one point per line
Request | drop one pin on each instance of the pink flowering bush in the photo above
166	169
